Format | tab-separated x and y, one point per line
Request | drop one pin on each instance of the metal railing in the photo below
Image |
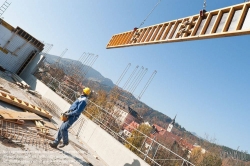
157	154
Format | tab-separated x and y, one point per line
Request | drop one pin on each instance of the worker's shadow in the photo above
74	157
134	163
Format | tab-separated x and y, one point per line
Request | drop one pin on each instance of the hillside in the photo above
97	82
91	74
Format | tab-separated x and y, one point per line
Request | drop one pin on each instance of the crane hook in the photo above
203	11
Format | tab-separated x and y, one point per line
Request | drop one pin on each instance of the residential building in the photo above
130	128
125	115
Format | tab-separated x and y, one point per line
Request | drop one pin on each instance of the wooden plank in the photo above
163	27
8	114
16	121
142	32
155	32
146	34
167	31
196	26
207	22
49	125
151	33
229	19
242	17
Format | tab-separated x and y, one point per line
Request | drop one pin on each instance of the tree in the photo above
138	138
210	159
93	110
196	156
207	159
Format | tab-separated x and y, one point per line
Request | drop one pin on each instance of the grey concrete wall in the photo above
108	148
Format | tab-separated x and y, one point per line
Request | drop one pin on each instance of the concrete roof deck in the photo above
17	152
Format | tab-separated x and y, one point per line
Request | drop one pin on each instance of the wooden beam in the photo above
9	114
171	31
49	125
17	121
24	105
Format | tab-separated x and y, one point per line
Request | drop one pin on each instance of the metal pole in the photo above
149	148
143	143
80	127
156	151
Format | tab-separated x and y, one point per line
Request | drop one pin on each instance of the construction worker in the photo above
72	115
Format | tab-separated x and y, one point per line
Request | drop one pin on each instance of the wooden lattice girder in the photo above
24	105
225	22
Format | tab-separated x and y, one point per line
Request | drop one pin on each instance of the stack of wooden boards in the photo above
32	113
18	117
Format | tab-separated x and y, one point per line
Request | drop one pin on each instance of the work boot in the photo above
64	144
53	145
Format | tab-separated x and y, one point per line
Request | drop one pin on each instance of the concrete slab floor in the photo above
29	155
12	153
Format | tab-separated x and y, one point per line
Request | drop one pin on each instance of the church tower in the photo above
171	125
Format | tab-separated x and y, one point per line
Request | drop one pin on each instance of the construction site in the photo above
35	92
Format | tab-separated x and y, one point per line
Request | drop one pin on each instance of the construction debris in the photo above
24	105
21	136
3	89
20	82
35	93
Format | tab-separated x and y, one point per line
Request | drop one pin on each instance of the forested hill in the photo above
97	82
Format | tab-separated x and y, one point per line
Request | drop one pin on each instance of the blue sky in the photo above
205	82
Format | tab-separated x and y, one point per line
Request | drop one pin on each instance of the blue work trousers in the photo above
63	131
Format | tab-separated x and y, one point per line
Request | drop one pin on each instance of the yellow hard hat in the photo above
86	91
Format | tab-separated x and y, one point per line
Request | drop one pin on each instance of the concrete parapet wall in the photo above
37	85
106	146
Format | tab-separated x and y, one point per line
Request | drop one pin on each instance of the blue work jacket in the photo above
78	106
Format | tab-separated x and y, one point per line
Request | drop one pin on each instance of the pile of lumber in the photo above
18	117
24	105
39	118
35	93
43	127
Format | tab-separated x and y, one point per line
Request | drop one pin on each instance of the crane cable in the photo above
148	15
204	5
203	11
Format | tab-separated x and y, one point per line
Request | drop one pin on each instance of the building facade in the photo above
17	47
125	115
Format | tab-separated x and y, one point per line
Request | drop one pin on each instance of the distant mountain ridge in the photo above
99	82
92	74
